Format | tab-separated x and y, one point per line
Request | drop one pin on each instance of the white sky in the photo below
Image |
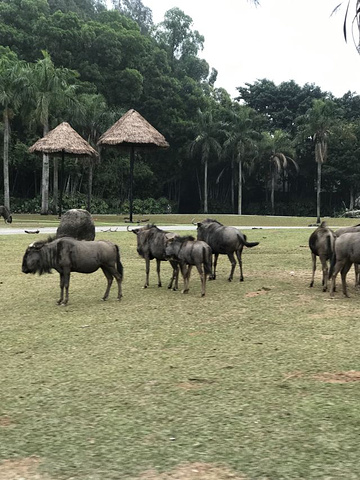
281	40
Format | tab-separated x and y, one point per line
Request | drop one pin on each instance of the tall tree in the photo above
50	88
241	140
207	144
316	124
11	96
276	149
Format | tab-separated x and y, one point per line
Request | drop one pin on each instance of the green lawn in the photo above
260	377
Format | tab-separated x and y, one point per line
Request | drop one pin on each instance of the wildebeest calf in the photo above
5	213
189	252
67	255
346	252
321	244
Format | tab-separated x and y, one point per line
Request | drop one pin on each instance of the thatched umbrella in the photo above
129	132
65	140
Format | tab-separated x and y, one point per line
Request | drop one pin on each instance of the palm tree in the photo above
240	140
276	148
11	97
51	89
207	144
316	125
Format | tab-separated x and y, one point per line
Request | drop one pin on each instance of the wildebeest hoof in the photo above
229	279
241	279
324	289
203	294
185	291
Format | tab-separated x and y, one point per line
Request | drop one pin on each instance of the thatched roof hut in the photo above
129	132
133	130
63	140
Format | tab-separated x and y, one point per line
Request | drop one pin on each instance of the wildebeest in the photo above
352	229
189	252
151	244
5	213
321	244
67	255
346	252
223	241
76	223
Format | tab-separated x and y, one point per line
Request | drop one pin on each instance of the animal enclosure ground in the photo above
258	379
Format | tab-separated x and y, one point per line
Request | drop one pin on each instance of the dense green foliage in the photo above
77	61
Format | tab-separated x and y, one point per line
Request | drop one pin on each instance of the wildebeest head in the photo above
33	260
9	219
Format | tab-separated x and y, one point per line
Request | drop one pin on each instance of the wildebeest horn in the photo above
192	221
127	228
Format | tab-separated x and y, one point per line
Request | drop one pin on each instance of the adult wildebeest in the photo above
67	255
5	213
223	241
353	229
151	244
321	244
189	252
346	252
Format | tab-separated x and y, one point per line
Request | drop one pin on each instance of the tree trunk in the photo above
273	193
240	189
232	186
45	179
206	187
90	182
352	200
318	191
6	159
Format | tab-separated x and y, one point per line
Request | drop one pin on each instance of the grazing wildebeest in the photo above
151	244
189	252
353	229
5	213
346	252
67	255
321	244
223	241
76	223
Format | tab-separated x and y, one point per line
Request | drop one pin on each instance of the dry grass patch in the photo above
193	471
338	377
22	469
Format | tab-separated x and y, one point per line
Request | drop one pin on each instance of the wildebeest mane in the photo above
185	238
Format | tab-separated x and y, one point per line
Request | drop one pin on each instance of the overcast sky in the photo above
280	40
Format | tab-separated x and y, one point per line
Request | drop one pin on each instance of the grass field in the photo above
258	380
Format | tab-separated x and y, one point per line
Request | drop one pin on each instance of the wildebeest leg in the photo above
186	271
344	272
158	263
202	278
338	266
313	258
239	257
64	283
357	280
147	270
174	280
213	276
233	265
110	278
325	271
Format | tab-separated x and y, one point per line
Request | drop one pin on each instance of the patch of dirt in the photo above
261	291
5	421
21	469
339	377
328	377
192	471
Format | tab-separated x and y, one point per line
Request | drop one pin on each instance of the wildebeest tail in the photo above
330	243
207	255
249	244
118	262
